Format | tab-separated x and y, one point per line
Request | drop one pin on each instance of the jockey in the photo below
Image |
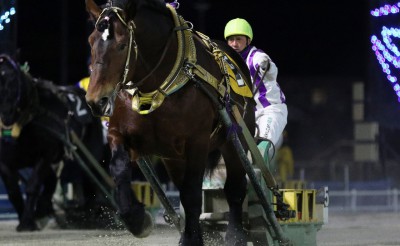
271	110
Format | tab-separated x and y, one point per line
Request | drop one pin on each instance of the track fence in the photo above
364	200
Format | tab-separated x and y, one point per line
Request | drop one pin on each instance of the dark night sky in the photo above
304	38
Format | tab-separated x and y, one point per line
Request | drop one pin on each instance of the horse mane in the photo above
131	6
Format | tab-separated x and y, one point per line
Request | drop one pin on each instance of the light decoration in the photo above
386	52
387	9
5	18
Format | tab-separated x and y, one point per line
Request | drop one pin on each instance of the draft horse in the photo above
159	81
34	113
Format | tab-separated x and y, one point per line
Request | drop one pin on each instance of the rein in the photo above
129	85
184	68
131	27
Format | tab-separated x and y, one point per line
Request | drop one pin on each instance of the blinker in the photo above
103	25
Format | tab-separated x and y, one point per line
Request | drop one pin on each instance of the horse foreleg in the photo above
44	206
130	210
39	173
235	192
10	179
191	195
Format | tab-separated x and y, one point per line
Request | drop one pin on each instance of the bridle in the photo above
130	25
17	100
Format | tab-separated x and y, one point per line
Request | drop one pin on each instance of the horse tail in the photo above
213	159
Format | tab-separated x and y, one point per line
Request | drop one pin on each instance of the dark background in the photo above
304	38
320	47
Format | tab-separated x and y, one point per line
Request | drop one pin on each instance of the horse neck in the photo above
27	100
154	37
25	90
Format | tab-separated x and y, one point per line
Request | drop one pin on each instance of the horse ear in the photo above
93	9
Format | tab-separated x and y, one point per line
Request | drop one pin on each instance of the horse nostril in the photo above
100	107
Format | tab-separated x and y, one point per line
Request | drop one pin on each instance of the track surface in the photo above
355	229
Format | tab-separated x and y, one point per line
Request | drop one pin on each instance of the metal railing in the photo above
365	200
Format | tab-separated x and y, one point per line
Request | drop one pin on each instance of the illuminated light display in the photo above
5	18
386	10
386	51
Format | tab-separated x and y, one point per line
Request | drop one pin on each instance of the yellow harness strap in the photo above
145	103
13	131
230	70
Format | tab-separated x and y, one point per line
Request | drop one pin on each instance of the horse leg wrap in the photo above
132	213
138	221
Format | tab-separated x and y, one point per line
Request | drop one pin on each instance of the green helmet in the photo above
238	26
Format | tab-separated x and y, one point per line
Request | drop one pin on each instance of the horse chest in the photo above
146	141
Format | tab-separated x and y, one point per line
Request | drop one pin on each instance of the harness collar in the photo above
184	69
145	103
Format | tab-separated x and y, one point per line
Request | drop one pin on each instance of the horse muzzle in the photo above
103	107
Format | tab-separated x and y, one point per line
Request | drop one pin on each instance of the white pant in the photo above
271	122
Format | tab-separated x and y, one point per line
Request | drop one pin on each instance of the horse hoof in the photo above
27	227
148	225
46	222
138	221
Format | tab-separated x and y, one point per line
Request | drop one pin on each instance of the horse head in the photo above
10	90
112	42
119	43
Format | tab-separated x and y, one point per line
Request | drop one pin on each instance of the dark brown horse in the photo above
35	116
161	100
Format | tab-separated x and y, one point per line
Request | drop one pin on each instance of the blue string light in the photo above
5	18
386	52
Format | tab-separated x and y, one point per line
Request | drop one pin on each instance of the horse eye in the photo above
102	25
122	47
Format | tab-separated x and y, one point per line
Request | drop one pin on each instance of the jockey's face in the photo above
238	42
